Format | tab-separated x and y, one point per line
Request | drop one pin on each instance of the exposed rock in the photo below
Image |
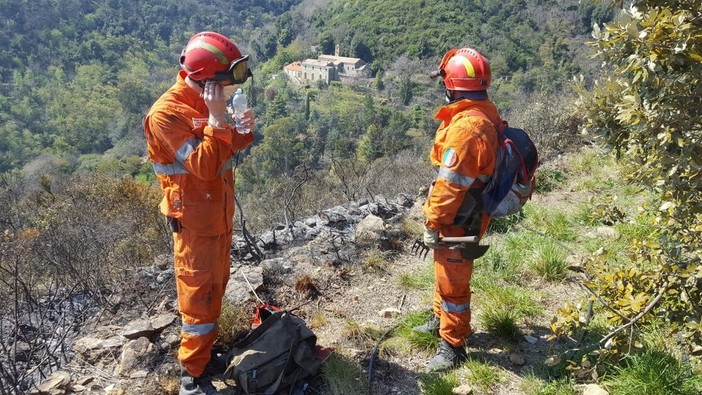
21	351
382	208
161	322
370	230
605	232
137	329
57	383
575	263
517	359
312	221
84	381
594	389
335	217
530	339
165	276
464	389
171	340
137	355
696	351
92	349
238	289
404	200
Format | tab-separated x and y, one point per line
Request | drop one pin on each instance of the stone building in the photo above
328	68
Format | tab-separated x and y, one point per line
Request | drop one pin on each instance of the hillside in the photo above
121	55
597	282
356	264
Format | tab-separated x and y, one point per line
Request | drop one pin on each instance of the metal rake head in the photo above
419	249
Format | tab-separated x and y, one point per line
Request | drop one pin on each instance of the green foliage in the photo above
381	32
423	280
535	386
343	376
505	308
433	384
647	105
549	262
482	374
505	224
549	179
77	77
604	212
653	373
421	341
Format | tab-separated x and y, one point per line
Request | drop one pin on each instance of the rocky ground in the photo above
319	269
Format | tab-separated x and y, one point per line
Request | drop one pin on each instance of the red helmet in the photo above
464	69
207	54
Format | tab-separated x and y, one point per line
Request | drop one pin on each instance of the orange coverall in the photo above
464	152
193	164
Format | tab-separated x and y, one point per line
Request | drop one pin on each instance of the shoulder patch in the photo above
450	158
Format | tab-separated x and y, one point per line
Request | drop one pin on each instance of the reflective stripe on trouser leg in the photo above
452	293
202	273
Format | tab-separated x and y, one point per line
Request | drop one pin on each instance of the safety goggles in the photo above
237	73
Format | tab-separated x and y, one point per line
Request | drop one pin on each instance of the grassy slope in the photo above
518	288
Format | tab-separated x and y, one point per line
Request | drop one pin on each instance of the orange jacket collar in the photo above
188	95
449	111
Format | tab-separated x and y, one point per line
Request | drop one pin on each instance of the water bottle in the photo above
239	105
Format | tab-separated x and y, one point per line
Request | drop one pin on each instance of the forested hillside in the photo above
77	77
603	267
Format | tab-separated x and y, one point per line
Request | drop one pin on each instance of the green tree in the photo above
647	104
283	146
406	86
370	145
277	109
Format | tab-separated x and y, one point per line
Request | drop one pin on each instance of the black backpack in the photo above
274	355
513	182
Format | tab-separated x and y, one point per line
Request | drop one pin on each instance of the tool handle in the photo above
459	239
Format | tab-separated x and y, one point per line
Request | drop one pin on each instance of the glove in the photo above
431	238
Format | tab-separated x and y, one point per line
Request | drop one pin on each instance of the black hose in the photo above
372	358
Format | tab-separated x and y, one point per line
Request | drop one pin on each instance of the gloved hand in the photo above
431	238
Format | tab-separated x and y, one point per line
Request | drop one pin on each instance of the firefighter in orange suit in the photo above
191	146
464	153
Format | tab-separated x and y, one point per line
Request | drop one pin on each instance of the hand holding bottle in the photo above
241	113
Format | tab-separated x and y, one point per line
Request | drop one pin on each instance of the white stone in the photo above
594	389
464	389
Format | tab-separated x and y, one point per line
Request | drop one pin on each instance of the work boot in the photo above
431	326
202	385
446	358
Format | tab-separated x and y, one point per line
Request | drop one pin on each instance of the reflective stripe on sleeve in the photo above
452	176
199	329
454	308
186	149
170	168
